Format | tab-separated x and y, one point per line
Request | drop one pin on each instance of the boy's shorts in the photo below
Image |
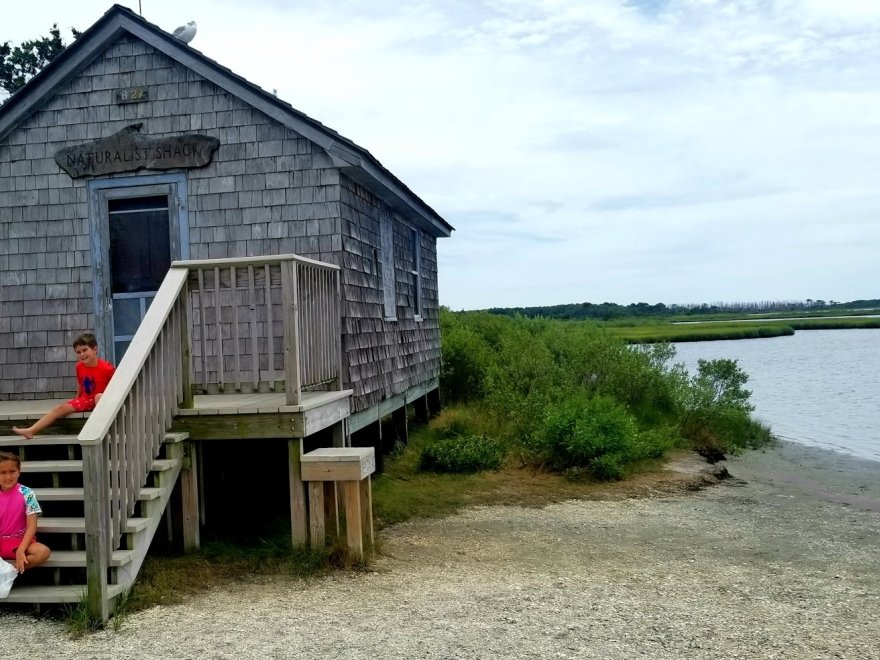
9	546
83	403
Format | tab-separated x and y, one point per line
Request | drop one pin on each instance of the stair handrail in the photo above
123	434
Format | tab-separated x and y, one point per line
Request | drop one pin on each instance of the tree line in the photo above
607	311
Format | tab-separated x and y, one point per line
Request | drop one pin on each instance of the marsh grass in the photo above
642	331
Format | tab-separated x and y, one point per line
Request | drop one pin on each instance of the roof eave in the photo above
388	189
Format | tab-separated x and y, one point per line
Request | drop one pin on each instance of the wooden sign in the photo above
128	151
132	95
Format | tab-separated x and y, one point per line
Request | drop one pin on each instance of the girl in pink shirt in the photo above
19	511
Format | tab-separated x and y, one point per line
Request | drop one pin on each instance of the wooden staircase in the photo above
256	324
52	466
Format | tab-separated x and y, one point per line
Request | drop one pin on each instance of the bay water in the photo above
816	387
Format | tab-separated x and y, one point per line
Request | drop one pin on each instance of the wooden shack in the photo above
263	276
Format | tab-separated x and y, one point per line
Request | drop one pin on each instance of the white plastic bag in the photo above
7	575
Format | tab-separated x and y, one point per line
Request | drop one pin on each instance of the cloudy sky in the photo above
676	151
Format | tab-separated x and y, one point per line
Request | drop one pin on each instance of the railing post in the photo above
186	347
336	334
290	303
97	519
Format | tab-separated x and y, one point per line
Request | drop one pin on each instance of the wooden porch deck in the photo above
203	404
217	416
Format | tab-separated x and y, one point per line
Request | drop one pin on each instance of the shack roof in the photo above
355	161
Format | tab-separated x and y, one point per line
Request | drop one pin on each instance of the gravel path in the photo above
781	562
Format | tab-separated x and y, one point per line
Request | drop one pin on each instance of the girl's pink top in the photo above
16	504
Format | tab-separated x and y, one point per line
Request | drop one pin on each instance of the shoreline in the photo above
813	473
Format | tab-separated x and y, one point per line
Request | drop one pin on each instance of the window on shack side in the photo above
416	272
386	249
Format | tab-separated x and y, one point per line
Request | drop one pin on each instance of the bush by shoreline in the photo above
572	397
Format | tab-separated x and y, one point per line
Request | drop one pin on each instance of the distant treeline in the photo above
606	311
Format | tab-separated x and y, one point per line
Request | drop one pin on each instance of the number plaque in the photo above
132	95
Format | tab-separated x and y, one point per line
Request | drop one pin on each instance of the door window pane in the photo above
140	249
121	347
126	316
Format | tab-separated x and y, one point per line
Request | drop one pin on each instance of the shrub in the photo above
655	442
568	393
596	432
466	359
717	413
725	430
720	384
608	467
465	453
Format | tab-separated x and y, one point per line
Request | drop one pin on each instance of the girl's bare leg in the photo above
61	410
37	554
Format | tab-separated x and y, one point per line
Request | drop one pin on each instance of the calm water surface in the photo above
817	387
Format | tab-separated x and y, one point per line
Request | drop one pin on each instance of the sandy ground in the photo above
782	561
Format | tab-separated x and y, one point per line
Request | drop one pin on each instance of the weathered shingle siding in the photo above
268	191
45	263
384	358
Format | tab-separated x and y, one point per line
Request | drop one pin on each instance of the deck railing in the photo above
269	324
259	324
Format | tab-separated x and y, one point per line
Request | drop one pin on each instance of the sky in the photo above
675	151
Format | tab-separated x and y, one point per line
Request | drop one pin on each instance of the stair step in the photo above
73	593
41	440
77	495
30	467
159	465
77	559
78	525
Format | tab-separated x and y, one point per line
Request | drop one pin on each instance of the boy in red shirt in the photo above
19	511
92	375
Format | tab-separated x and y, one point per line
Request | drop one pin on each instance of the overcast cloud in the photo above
588	150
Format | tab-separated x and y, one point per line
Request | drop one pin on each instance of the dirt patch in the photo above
684	471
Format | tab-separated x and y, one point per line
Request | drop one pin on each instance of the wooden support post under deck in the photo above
420	406
339	434
189	496
298	517
433	398
401	425
97	519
